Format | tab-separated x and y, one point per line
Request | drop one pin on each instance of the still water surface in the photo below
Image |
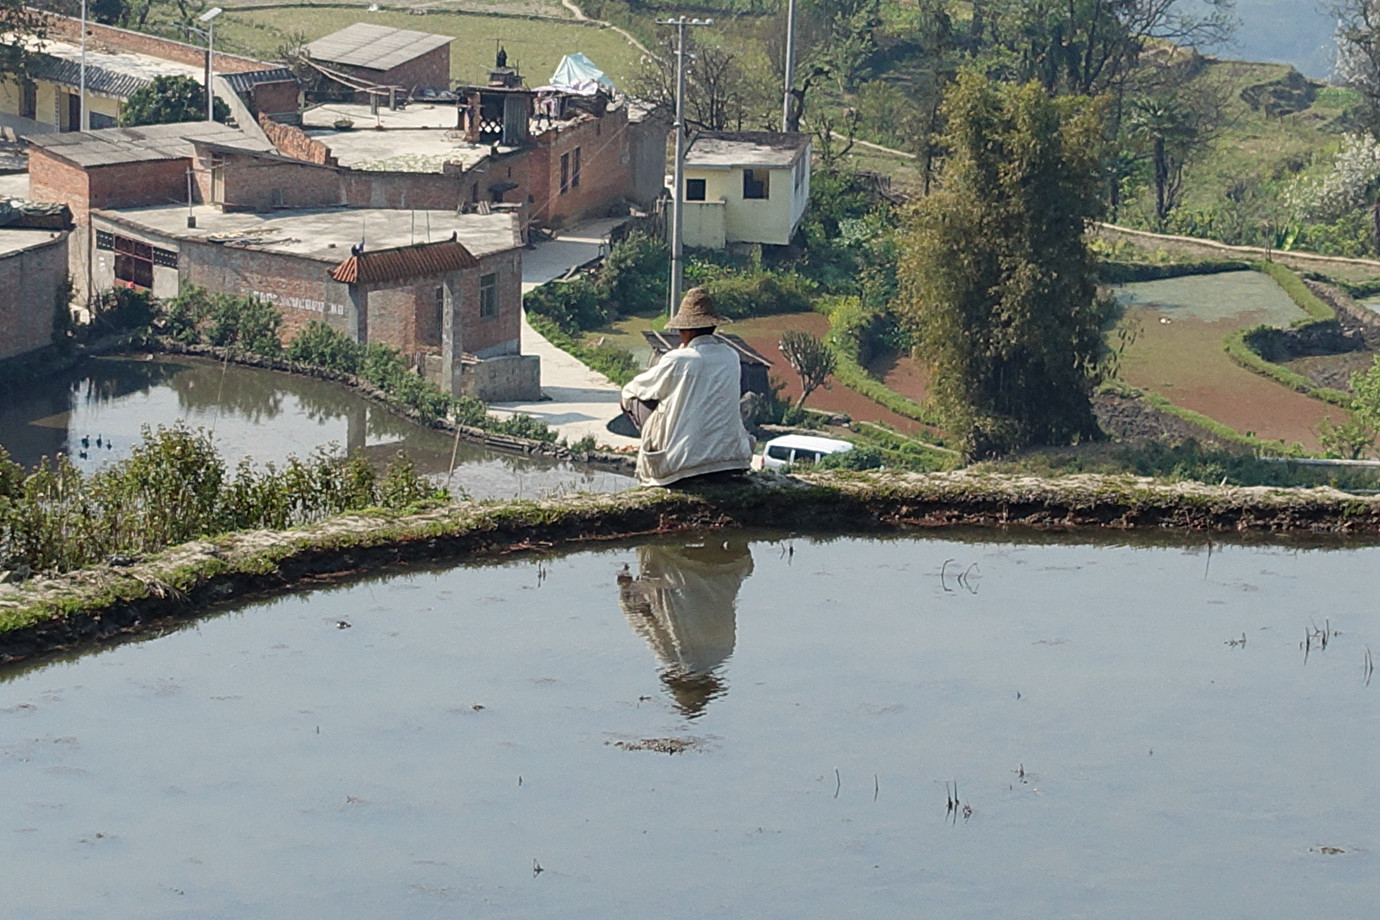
471	744
257	414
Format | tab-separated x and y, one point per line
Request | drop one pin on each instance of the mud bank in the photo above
45	614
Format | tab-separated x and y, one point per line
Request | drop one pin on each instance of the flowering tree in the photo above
1353	183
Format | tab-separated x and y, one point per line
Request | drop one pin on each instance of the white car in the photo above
792	449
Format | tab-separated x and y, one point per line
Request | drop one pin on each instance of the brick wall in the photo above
122	185
497	334
29	282
261	183
302	289
100	37
430	70
403	191
54	179
605	170
276	100
294	142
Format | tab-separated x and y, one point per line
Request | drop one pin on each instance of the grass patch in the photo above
535	44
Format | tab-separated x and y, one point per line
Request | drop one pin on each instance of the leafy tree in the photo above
996	275
1171	129
1365	408
20	25
168	99
810	358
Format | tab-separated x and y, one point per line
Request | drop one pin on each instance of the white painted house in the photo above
745	187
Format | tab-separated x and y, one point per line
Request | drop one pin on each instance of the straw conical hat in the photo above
696	311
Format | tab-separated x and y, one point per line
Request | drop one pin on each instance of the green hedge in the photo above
1298	292
1112	272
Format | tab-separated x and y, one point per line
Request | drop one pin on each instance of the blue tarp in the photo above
577	74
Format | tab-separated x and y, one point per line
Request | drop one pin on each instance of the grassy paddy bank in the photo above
103	604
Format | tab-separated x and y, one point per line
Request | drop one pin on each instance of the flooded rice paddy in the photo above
1173	331
94	415
736	725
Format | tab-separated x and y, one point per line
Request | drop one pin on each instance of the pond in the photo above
734	725
95	415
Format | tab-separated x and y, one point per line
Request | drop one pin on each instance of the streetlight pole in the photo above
209	17
678	178
84	119
790	67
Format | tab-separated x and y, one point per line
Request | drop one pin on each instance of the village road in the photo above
579	402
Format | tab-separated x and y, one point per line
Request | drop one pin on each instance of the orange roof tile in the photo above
422	260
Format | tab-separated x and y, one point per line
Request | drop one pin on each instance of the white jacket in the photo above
696	428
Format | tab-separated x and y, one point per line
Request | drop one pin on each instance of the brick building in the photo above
119	168
33	272
364	56
119	62
445	289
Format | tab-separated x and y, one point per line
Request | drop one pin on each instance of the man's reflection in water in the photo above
683	603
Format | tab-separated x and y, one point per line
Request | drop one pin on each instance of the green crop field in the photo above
535	44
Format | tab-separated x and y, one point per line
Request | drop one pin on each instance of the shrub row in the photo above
174	487
199	317
850	324
1115	272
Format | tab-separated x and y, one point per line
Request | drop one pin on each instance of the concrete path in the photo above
579	402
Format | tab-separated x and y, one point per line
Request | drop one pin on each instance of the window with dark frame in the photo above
694	190
488	295
133	263
575	169
756	184
565	173
437	329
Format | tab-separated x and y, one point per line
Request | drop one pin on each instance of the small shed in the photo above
754	367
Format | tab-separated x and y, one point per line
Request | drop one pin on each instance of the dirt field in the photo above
1184	361
764	334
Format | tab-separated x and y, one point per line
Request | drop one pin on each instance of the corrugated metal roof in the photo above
150	143
243	82
662	342
421	261
98	79
375	47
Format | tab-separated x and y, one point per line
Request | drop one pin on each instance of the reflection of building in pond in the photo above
683	602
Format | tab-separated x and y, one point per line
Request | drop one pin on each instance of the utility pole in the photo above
789	67
678	192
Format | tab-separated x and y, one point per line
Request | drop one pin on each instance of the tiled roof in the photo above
374	47
98	79
150	143
421	261
242	83
662	342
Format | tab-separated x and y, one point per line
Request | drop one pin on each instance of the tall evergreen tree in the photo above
997	279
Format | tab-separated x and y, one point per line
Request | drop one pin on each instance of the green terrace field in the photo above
535	44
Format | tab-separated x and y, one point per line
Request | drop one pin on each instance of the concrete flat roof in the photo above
13	240
144	66
375	47
324	234
111	146
746	149
420	138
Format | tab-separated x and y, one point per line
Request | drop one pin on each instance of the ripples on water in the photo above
736	726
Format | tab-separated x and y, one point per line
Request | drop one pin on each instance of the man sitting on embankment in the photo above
687	404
